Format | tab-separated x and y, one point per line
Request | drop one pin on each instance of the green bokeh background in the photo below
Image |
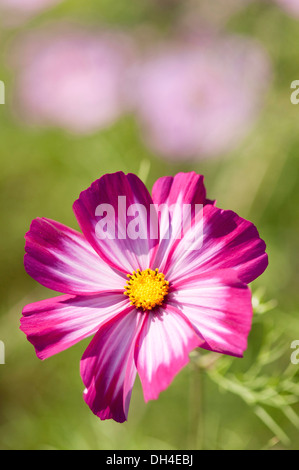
43	171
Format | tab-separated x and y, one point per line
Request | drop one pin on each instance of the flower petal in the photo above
125	242
60	258
172	196
185	187
219	307
55	324
220	240
107	367
162	349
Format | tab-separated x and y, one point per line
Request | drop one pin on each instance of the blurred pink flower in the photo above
14	11
199	96
71	78
148	300
291	6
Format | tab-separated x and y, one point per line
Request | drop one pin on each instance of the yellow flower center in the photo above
146	289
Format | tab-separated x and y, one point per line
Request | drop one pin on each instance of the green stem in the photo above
196	433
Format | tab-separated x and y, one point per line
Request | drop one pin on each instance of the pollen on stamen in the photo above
146	289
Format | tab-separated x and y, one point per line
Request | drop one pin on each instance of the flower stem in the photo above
196	434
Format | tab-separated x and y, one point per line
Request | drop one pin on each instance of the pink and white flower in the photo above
148	301
71	77
198	96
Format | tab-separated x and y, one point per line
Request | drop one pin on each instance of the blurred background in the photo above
152	87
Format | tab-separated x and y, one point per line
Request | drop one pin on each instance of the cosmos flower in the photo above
70	77
290	6
14	12
199	95
148	296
